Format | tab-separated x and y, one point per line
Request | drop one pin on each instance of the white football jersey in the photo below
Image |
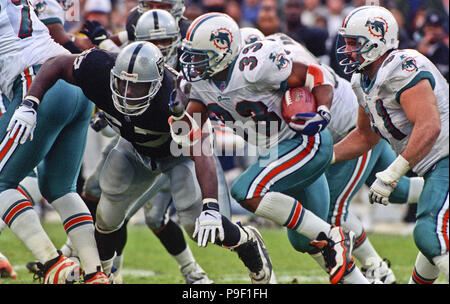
344	107
380	98
49	11
251	98
24	42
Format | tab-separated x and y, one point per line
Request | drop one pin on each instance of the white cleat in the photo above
60	270
255	256
379	271
194	274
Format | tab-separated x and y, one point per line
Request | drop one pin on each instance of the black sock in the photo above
109	243
171	236
231	232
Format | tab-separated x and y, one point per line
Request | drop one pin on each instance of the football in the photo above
297	100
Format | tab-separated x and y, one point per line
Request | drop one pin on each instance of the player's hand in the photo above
179	97
94	31
380	190
207	224
314	122
98	121
23	122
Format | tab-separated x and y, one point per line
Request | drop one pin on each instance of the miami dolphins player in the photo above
346	178
404	99
244	86
25	44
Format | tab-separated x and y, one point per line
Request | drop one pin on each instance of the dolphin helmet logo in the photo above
377	27
221	38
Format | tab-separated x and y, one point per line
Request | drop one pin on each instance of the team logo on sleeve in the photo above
280	60
221	38
409	64
377	27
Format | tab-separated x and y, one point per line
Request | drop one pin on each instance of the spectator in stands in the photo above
312	37
434	43
268	20
250	11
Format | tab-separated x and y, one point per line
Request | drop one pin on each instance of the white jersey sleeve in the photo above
49	11
268	67
24	42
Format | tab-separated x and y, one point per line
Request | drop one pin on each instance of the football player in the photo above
244	86
346	178
6	270
133	90
404	99
25	44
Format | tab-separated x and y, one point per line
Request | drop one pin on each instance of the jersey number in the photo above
26	28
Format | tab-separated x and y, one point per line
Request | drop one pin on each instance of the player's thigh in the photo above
295	163
16	160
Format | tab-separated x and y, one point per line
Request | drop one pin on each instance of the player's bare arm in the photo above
416	101
358	141
56	68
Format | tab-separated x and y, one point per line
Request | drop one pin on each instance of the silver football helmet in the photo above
136	77
160	28
375	30
250	35
177	7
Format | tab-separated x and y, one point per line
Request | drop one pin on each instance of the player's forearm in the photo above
51	71
205	169
355	144
421	141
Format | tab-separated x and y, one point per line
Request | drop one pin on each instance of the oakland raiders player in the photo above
403	98
140	87
159	27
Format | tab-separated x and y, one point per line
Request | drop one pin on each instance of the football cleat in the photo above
6	270
60	270
115	277
379	271
96	278
337	250
194	274
255	256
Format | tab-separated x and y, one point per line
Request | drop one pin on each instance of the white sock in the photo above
30	188
24	222
366	254
415	189
424	272
442	263
185	257
287	211
355	277
107	265
118	262
318	257
79	226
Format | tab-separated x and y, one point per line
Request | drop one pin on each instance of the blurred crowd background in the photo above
423	23
423	26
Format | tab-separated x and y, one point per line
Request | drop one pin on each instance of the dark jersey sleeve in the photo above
91	71
130	26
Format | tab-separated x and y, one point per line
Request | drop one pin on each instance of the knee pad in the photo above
425	239
117	173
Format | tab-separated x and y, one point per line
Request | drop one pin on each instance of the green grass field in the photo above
147	262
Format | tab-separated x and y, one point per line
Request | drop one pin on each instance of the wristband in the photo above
395	171
210	204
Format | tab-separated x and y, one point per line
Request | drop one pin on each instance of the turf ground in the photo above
147	262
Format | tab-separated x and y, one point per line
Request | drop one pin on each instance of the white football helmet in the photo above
250	35
136	77
160	28
375	30
212	42
177	9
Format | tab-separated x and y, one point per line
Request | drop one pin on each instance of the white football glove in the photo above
314	122
387	180
23	122
207	223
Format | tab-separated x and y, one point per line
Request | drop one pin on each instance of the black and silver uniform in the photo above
149	132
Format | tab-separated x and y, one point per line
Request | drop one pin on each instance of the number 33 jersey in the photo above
24	42
251	97
380	98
